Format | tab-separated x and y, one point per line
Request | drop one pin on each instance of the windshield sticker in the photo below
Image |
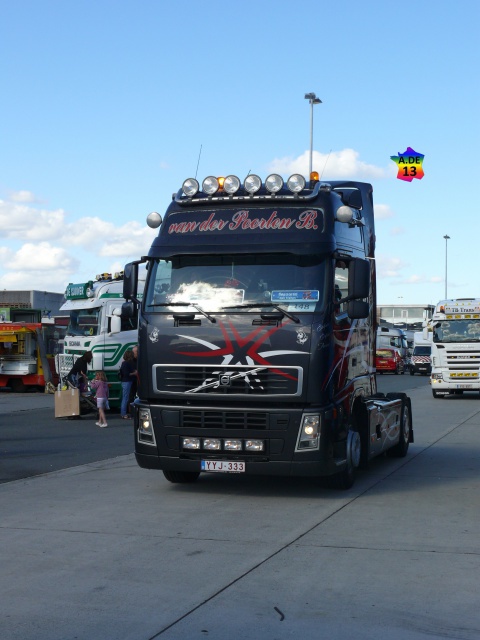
293	295
244	220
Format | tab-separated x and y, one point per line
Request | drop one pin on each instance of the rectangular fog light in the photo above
233	445
191	443
212	444
254	445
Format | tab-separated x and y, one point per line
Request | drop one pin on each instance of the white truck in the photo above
421	359
96	324
392	338
455	347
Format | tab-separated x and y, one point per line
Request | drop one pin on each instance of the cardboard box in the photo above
67	403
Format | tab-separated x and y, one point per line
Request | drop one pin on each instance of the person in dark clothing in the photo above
133	390
78	373
127	374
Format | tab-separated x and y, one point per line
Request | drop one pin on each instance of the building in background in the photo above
409	317
25	305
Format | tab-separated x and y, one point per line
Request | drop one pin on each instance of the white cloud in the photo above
343	164
23	196
397	231
28	223
382	212
43	250
389	266
42	257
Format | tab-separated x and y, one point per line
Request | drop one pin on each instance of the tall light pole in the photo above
312	98
446	238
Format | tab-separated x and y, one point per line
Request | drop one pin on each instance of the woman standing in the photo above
128	373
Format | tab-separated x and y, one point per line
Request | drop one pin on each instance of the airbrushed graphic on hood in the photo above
238	350
239	364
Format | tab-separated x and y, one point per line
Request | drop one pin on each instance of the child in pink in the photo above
101	385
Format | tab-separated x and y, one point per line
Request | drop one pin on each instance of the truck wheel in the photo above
401	448
183	477
346	478
17	385
412	372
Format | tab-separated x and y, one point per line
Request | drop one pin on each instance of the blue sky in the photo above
104	107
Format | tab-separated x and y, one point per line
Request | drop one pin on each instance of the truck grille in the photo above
226	380
464	360
224	420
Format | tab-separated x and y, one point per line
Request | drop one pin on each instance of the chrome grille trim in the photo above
227	380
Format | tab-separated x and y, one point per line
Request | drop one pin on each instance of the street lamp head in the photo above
313	98
446	237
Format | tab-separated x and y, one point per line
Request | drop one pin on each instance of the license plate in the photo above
223	466
464	386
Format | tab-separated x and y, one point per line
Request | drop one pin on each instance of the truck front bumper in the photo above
263	467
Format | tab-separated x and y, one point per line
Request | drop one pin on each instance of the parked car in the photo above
390	361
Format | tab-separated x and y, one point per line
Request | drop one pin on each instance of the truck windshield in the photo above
84	322
213	282
456	331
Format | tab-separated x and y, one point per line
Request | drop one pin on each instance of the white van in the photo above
421	360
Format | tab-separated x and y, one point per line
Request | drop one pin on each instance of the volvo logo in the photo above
225	379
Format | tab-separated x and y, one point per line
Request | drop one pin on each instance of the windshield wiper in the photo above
254	305
184	304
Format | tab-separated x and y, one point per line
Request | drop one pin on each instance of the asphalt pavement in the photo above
108	550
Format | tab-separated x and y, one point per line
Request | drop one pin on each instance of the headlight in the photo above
145	427
233	445
296	183
274	183
191	443
212	444
252	184
254	445
231	185
309	434
210	185
190	187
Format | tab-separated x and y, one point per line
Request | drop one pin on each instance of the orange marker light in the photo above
220	182
314	177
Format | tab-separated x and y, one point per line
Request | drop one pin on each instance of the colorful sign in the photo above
409	165
77	291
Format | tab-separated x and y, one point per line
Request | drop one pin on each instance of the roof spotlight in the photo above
210	185
274	183
252	184
296	183
190	187
231	185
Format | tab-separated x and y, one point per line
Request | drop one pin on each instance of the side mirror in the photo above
358	279
425	333
358	310
128	309
97	361
116	321
130	281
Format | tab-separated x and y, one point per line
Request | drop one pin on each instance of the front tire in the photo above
17	385
401	448
345	478
181	477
